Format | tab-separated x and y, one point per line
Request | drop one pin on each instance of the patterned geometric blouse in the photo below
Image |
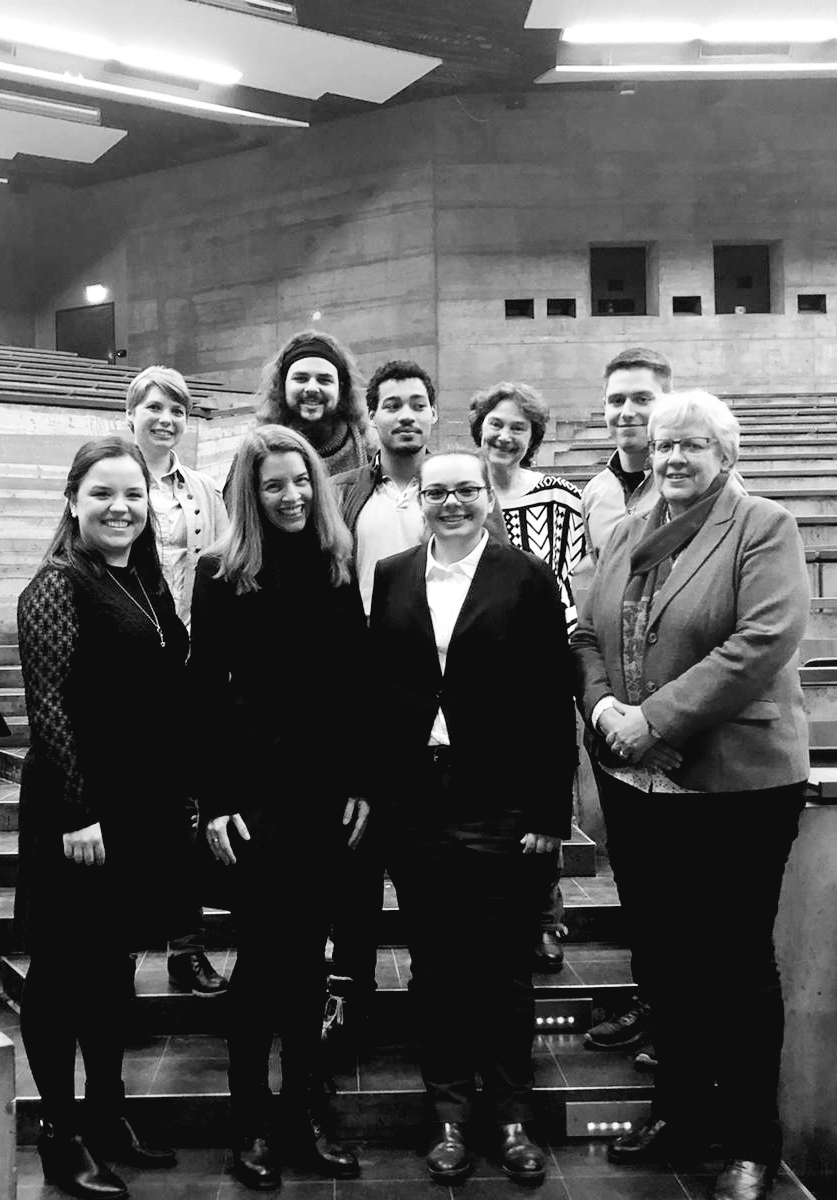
548	523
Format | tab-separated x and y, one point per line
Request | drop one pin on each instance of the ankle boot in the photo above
307	1142
254	1164
69	1164
114	1137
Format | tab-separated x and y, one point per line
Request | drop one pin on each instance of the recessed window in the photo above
812	303
520	308
686	305
618	279
560	306
742	279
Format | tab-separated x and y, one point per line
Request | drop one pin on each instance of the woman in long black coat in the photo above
102	805
277	659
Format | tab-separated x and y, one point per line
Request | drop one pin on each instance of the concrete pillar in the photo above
8	1143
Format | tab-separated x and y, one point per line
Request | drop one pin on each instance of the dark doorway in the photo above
618	280
88	330
742	279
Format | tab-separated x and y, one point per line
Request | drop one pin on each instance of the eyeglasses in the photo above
692	445
466	493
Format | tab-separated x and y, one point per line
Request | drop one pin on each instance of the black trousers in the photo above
359	890
470	898
282	919
700	877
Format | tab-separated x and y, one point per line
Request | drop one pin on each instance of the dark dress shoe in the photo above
196	973
521	1159
71	1166
448	1160
549	953
744	1180
654	1139
310	1146
117	1139
254	1165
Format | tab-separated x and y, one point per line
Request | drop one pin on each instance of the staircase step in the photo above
595	979
801	502
12	699
9	656
9	805
11	758
11	676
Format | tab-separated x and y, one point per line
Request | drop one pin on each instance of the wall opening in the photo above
811	303
560	306
687	305
520	308
742	278
618	281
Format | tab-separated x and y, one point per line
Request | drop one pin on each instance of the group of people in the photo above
388	639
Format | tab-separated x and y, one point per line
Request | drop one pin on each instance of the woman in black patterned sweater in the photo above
102	806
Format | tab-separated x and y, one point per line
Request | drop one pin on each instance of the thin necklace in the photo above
152	617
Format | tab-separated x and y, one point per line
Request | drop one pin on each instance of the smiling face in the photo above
404	416
285	491
682	478
158	422
630	395
111	508
312	388
455	521
506	434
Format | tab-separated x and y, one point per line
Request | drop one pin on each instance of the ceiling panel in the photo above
47	137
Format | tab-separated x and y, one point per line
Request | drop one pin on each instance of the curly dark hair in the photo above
530	402
270	397
398	369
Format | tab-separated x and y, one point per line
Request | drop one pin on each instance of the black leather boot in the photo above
307	1140
114	1137
71	1166
254	1164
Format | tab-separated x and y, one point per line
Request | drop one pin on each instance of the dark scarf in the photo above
651	561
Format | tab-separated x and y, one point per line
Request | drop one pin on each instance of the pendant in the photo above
162	639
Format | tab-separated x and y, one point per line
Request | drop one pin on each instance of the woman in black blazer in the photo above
455	625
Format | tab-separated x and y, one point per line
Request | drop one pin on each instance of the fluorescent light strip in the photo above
636	33
83	45
58	109
3	179
129	93
634	70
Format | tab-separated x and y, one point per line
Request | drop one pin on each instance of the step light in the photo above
541	1021
609	1126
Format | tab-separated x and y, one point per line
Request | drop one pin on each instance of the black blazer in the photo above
507	691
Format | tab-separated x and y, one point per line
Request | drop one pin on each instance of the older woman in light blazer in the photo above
687	663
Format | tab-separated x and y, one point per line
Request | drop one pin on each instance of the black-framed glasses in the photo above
465	493
690	445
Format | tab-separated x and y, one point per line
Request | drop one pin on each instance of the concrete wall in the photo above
409	228
17	324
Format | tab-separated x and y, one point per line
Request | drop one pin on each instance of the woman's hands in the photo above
539	843
85	845
629	735
357	810
219	839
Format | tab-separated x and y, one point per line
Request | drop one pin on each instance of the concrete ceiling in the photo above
338	57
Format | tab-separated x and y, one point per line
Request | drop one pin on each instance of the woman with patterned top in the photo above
542	515
102	805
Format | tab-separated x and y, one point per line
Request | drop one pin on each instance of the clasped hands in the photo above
629	735
355	813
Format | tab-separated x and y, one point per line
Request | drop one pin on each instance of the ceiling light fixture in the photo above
59	110
82	45
3	179
584	72
95	293
276	10
672	33
168	99
634	33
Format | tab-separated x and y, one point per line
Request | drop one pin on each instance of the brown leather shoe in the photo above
521	1159
448	1160
744	1180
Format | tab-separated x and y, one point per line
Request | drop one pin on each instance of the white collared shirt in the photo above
389	522
447	588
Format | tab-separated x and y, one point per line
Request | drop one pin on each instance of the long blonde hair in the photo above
241	547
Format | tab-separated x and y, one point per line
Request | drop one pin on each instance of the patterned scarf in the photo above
651	561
